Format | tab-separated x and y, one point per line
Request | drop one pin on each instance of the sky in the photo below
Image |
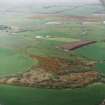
27	1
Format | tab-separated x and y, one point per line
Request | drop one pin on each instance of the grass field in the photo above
19	42
92	95
12	62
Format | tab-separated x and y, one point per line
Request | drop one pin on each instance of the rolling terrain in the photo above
34	70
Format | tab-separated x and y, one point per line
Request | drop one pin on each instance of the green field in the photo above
19	42
12	62
92	95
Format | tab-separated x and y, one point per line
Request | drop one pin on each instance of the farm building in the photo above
76	44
